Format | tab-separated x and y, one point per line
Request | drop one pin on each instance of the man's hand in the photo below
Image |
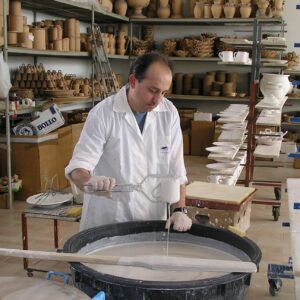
180	221
99	183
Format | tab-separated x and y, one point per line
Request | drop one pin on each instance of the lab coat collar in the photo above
121	103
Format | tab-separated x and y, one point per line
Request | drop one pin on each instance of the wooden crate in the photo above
222	218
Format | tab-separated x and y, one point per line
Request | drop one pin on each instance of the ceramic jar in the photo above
177	6
229	10
178	80
274	87
192	4
207	11
198	10
121	7
245	10
163	11
216	10
138	5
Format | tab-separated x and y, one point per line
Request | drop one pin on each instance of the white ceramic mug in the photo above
241	56
228	180
226	56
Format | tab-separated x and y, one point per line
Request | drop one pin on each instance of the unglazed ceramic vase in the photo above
121	7
229	10
138	5
245	10
177	6
198	10
216	10
163	12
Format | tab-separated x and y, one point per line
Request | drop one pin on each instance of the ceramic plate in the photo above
226	144
224	167
49	200
221	150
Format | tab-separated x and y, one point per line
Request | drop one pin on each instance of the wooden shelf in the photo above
211	21
207	98
71	9
29	52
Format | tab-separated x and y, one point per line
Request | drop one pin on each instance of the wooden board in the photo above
218	192
16	288
61	100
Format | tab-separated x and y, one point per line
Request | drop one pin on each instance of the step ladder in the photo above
103	74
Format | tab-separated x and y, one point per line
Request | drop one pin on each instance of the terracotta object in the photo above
207	11
229	10
177	6
192	4
199	10
227	89
58	45
121	7
15	23
163	12
245	10
107	5
70	27
216	10
207	83
178	80
15	8
138	5
12	38
187	83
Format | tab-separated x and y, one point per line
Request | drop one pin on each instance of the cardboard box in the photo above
64	153
222	218
48	120
296	163
202	136
186	143
76	131
36	163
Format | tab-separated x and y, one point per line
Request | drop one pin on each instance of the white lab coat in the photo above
111	144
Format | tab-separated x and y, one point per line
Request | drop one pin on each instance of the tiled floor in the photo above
271	237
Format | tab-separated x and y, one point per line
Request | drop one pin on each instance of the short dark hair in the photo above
142	63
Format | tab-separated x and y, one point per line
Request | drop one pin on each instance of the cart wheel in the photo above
276	213
30	274
275	286
277	192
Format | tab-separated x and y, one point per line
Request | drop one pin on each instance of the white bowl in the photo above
221	150
223	168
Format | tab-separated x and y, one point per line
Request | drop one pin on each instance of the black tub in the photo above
230	286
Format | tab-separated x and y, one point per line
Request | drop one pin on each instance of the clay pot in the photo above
207	84
138	5
207	11
192	4
58	45
107	5
278	4
187	84
70	27
245	10
178	80
229	10
216	10
121	7
15	8
163	12
15	23
177	6
199	10
227	89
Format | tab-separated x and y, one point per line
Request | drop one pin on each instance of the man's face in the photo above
145	95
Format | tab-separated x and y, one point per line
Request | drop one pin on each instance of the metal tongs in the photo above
49	190
150	187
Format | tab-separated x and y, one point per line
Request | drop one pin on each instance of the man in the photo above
126	137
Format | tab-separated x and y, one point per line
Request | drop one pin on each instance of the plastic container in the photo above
230	286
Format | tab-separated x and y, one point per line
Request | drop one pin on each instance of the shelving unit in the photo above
64	9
